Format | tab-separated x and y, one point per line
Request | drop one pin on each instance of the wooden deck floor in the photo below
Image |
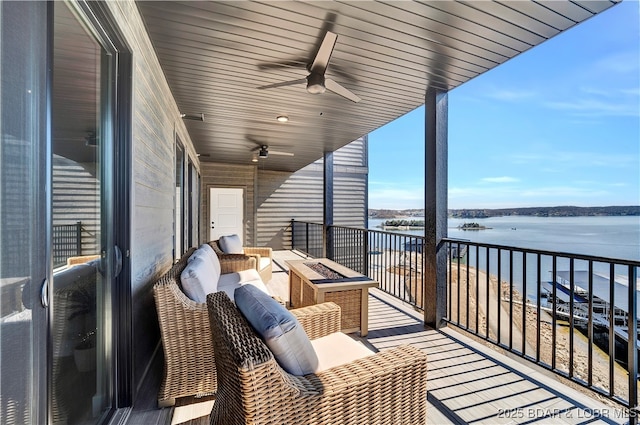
468	383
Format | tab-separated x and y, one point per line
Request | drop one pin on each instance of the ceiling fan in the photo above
316	81
264	151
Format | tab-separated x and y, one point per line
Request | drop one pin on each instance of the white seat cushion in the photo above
230	286
337	349
264	262
239	277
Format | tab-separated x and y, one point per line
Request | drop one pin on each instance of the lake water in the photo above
609	237
613	237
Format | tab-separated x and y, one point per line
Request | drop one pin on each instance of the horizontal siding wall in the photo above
284	196
75	198
155	123
229	176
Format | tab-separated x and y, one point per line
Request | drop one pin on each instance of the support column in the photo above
328	205
435	210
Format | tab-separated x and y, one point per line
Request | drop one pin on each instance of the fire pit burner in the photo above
326	272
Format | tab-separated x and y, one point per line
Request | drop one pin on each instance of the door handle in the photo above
117	262
212	226
44	293
117	258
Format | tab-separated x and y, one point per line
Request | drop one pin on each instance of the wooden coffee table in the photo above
350	292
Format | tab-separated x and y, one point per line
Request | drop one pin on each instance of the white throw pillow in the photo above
231	244
207	252
198	279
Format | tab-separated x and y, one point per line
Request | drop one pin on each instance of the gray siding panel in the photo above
284	196
155	122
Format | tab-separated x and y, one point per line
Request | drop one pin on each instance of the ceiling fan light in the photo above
316	88
282	118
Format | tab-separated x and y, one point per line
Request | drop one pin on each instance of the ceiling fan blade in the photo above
294	63
342	91
272	152
321	61
283	84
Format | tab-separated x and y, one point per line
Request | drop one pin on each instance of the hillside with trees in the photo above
560	211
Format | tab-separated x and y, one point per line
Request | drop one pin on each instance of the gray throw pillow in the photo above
279	329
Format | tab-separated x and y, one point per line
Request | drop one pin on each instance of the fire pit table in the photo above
317	280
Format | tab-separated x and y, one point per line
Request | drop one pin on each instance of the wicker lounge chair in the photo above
189	367
263	257
386	388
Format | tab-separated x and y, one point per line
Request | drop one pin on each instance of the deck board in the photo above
467	382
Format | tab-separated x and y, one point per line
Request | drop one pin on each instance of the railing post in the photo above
328	246
293	234
306	238
632	350
79	238
365	253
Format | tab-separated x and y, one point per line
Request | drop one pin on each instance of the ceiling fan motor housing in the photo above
263	153
315	83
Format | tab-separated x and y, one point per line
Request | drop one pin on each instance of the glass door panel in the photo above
23	212
80	387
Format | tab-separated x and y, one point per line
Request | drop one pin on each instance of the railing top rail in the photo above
363	229
585	257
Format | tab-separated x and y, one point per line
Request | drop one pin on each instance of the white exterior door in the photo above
226	212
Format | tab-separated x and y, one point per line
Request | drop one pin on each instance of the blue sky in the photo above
557	125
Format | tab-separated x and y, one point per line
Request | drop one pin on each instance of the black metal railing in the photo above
575	315
565	312
393	260
67	242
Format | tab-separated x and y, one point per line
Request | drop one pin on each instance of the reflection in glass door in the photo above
23	212
81	315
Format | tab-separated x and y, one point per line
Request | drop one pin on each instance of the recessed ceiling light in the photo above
282	118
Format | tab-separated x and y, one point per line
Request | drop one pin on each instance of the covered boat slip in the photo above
601	286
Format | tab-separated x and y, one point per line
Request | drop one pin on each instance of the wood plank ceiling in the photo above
216	54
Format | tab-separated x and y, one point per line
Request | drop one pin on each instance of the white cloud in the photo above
580	159
511	95
578	193
503	179
595	107
396	197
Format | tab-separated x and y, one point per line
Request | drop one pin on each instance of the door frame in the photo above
207	204
97	16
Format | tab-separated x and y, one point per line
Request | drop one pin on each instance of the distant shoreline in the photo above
472	213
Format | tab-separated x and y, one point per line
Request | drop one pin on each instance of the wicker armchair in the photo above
389	387
263	258
189	367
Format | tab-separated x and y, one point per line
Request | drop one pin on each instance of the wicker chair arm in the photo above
261	251
184	324
400	363
319	320
231	263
